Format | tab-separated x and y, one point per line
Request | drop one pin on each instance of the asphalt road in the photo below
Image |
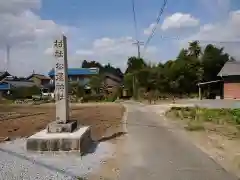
155	152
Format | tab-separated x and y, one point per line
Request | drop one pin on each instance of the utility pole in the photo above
138	44
7	60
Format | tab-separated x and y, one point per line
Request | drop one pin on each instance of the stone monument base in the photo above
57	127
77	141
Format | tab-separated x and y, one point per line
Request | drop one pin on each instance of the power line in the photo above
217	42
137	43
157	22
134	19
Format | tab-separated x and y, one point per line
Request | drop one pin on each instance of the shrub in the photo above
24	92
218	116
91	98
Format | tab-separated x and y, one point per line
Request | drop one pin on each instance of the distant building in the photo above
80	75
3	75
9	84
112	82
39	79
230	74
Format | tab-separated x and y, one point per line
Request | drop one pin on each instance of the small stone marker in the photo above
62	123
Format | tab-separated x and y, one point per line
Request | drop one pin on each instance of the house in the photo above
112	81
8	84
80	75
39	79
3	75
230	74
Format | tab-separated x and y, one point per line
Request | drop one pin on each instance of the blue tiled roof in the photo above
78	71
4	86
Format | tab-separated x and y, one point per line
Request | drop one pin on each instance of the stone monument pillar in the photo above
62	134
61	80
62	123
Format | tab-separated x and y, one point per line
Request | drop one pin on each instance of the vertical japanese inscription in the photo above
59	69
61	81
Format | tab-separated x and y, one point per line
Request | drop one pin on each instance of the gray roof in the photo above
3	73
112	76
21	83
231	68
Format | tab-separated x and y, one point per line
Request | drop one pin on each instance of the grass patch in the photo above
217	116
226	121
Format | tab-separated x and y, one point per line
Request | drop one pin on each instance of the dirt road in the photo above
152	150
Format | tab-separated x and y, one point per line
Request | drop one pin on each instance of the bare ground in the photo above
24	120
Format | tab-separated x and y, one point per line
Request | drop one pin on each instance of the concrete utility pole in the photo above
7	60
138	44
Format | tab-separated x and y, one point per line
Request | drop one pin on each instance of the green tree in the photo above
135	64
76	89
213	60
96	82
194	49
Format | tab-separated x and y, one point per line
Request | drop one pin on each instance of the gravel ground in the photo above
18	164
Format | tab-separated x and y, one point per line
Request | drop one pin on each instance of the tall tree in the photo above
194	49
135	64
213	60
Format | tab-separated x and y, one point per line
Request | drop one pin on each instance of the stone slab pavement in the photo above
154	151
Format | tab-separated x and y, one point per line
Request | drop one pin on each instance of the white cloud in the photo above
148	30
49	51
220	10
18	6
28	35
114	51
84	52
225	33
179	20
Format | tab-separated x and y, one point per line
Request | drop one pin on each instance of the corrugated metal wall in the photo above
231	90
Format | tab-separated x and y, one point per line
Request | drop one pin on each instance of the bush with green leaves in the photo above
93	98
24	92
218	116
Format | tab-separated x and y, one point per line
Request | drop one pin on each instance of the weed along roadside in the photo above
224	121
215	131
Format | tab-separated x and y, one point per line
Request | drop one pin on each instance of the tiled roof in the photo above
39	76
4	73
7	84
230	68
21	83
1	73
78	71
4	86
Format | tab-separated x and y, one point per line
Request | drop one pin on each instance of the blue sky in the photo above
112	18
103	30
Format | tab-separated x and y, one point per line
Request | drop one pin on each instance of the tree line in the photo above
176	77
179	76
